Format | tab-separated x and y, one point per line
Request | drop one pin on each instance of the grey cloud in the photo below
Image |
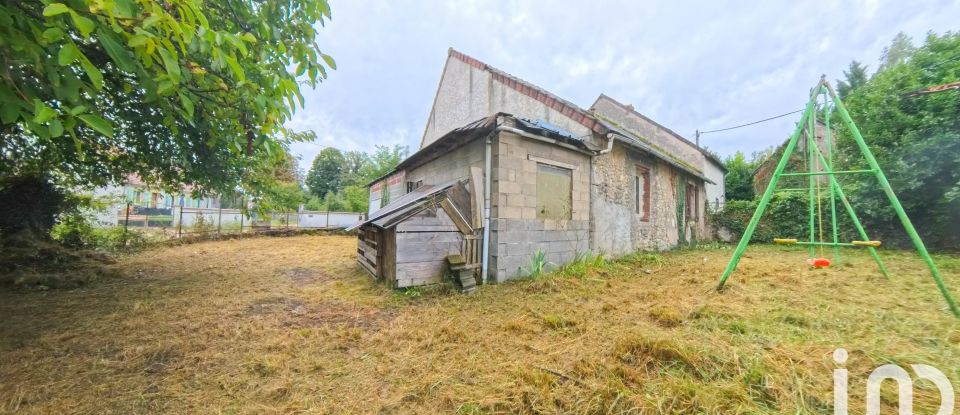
688	65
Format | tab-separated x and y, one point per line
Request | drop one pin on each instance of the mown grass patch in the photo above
294	325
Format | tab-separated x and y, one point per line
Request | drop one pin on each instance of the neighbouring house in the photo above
145	200
507	169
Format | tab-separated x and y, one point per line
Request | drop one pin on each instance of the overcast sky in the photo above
688	65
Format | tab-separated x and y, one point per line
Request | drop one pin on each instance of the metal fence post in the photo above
243	205
327	225
180	221
288	220
126	221
219	218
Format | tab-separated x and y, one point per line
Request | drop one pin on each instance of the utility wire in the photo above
699	133
749	123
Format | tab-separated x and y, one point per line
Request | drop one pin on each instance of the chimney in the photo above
630	107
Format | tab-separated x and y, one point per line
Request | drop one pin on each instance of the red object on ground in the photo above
819	262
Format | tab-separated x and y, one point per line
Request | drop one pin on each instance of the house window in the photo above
554	192
411	186
692	202
641	191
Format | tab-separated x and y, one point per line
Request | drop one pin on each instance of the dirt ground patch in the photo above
293	325
297	313
302	277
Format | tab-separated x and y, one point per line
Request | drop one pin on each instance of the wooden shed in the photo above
407	242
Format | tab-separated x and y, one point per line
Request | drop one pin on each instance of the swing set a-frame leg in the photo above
888	190
768	193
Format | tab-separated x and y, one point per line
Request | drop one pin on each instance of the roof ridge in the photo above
633	110
567	108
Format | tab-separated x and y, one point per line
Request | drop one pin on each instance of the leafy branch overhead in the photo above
95	89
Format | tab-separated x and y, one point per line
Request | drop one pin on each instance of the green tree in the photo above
898	52
855	77
356	198
325	175
383	160
354	164
178	92
738	183
282	190
334	203
916	140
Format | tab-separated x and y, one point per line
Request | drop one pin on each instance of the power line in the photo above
699	133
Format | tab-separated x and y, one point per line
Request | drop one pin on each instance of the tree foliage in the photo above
326	173
177	92
382	161
854	77
898	52
738	183
337	181
277	184
916	140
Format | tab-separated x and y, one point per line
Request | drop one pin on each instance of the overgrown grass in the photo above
294	325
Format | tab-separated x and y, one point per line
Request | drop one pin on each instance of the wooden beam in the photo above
456	217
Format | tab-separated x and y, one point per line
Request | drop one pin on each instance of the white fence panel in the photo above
315	219
211	216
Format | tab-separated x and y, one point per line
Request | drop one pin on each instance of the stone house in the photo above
507	169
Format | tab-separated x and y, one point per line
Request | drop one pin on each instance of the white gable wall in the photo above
467	93
715	192
462	97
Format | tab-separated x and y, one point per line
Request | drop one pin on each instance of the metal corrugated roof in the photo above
408	204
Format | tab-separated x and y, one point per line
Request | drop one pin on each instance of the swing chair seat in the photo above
818	262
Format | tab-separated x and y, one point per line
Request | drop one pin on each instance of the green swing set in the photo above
820	165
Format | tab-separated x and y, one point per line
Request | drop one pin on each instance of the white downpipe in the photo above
610	138
487	179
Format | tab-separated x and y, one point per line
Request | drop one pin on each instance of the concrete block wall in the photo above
515	232
453	165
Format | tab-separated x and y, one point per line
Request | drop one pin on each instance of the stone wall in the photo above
667	140
617	227
515	232
651	131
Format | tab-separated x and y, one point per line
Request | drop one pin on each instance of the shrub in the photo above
76	232
72	231
786	216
